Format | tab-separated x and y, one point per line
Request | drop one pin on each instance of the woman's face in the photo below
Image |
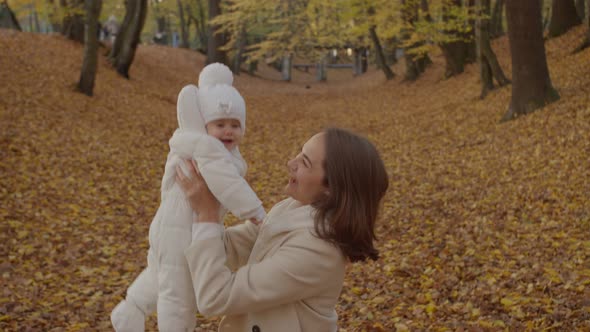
306	171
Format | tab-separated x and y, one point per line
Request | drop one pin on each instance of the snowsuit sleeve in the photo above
224	179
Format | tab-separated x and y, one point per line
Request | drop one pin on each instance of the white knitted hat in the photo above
218	99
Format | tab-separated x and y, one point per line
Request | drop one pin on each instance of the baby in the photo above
212	122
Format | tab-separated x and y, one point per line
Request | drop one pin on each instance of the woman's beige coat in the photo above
277	277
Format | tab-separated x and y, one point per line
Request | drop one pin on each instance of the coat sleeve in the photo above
239	241
303	267
224	179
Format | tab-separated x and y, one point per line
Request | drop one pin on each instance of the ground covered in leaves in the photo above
486	226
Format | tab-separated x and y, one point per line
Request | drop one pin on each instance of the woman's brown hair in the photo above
357	182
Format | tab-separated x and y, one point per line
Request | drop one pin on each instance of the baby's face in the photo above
228	131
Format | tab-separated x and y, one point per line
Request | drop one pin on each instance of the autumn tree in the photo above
415	56
163	13
288	28
460	49
197	15
123	51
89	64
531	84
496	28
586	42
580	4
379	55
488	63
182	24
73	20
7	18
215	38
563	17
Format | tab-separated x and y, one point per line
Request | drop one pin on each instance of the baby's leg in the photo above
176	297
129	315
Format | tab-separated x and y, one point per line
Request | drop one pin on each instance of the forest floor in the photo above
486	225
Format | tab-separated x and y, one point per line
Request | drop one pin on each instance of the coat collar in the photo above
288	215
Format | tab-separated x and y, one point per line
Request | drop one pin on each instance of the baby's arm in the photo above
224	180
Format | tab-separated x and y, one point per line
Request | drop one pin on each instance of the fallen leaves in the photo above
485	227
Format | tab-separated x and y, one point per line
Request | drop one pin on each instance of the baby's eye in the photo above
220	125
235	126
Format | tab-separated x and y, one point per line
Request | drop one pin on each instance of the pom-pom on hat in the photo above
217	98
215	73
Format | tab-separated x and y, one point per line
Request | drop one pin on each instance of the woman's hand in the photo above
200	197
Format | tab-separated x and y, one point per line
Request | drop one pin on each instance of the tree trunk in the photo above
357	62
252	66
390	51
379	54
531	84
580	9
321	69
215	40
73	24
496	27
415	65
586	41
457	53
240	46
7	18
89	64
488	63
123	51
35	26
201	26
183	26
364	60
563	17
286	67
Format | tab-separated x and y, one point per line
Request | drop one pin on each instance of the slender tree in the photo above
73	21
488	63
7	18
531	84
89	64
415	63
198	16
34	20
286	67
241	42
496	26
461	49
215	40
123	51
379	54
563	17
586	41
360	60
183	25
580	4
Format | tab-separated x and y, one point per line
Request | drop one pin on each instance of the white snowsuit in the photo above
166	283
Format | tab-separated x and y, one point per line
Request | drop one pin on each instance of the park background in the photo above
485	227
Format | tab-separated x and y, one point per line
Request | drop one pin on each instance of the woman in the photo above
287	273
